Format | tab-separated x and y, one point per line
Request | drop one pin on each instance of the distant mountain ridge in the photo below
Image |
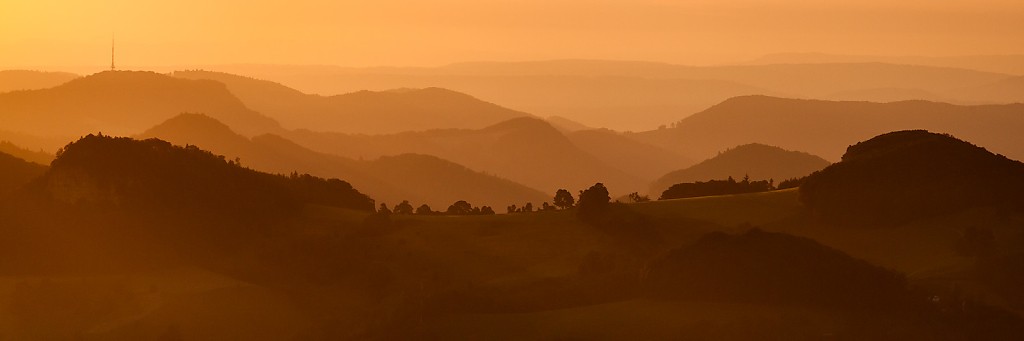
123	103
366	112
626	95
758	161
826	128
13	80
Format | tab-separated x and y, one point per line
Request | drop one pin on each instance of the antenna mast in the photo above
111	52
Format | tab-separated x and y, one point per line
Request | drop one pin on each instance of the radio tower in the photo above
111	52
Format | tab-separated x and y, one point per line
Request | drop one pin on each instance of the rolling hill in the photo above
826	128
525	150
12	80
367	112
760	162
389	179
123	103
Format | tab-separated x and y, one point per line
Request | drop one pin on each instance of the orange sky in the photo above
436	32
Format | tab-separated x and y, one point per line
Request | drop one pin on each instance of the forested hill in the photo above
110	204
903	176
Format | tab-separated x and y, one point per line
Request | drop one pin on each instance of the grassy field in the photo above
425	253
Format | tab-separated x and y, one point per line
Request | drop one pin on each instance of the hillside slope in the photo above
760	162
16	172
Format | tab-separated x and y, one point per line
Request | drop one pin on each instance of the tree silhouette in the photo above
512	209
564	199
424	209
528	208
384	209
486	210
403	208
460	207
594	200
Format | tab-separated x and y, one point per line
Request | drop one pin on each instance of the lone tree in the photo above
528	208
594	200
425	209
403	208
460	207
564	199
384	209
486	210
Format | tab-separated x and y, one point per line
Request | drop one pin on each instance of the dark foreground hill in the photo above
365	112
420	179
758	161
116	203
826	128
123	103
903	176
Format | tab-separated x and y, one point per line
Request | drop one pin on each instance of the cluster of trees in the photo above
717	187
460	207
563	200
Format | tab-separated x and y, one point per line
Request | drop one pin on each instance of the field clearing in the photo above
638	319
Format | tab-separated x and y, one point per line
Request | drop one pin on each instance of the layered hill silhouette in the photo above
758	161
627	95
1008	64
640	159
525	150
368	112
123	103
39	157
15	172
826	128
899	177
389	179
12	80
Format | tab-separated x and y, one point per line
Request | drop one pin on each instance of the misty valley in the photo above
479	201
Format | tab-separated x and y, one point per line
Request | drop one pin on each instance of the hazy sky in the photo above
436	32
